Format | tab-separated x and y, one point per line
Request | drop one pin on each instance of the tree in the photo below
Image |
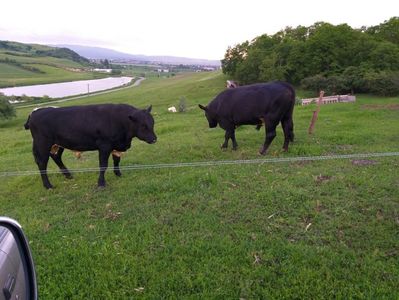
387	31
105	63
385	57
270	69
335	58
233	57
354	79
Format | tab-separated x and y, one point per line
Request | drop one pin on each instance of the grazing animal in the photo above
108	128
268	103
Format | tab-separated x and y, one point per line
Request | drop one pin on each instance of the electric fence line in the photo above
259	161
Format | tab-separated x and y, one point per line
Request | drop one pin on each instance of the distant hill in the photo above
26	64
34	50
104	53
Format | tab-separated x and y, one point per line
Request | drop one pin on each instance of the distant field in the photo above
287	230
49	69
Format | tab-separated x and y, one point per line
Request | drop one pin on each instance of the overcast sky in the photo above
196	29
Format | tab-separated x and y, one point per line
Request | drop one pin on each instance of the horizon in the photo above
133	54
173	28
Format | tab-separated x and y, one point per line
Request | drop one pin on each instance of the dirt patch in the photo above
363	162
380	106
322	178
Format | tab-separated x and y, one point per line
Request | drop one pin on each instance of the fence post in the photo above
316	113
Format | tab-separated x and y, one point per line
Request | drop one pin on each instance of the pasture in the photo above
302	229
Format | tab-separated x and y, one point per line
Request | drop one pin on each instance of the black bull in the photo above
108	128
268	103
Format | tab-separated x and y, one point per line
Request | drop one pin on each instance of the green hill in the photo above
25	64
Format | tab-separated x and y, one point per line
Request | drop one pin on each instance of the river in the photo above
66	89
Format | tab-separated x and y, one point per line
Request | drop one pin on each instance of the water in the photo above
65	89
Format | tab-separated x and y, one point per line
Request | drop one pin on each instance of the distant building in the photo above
102	70
208	68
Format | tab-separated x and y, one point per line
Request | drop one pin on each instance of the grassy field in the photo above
14	69
304	230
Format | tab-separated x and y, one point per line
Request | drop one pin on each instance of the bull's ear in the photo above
203	107
149	108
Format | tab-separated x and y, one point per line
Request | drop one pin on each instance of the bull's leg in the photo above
270	129
117	170
41	154
288	128
226	140
57	159
230	134
104	153
233	139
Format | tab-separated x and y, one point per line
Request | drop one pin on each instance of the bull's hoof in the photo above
49	187
68	176
101	187
223	147
262	151
101	184
118	173
235	148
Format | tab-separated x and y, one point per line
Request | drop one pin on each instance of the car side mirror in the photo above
17	270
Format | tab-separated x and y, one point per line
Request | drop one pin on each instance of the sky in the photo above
196	29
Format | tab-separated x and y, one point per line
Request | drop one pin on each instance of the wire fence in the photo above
212	163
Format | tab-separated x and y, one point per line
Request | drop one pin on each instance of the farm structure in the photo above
330	99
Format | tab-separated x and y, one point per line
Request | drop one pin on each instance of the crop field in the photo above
323	229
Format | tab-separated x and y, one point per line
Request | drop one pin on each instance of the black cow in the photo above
108	128
269	103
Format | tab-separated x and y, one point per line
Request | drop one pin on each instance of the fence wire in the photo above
259	161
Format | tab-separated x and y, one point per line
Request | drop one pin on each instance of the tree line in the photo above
338	59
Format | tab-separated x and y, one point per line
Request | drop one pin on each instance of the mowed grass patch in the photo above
325	229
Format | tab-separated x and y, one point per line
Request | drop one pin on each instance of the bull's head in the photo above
209	116
144	125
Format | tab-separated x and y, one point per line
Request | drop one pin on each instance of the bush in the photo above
314	83
182	107
116	72
7	111
383	83
336	85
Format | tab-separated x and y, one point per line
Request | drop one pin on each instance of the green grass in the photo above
52	70
239	231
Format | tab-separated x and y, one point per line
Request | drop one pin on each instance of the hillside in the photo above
104	53
25	64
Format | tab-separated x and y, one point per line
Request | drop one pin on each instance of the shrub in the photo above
7	111
314	83
182	107
383	83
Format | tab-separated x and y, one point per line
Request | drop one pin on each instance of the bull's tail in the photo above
26	125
